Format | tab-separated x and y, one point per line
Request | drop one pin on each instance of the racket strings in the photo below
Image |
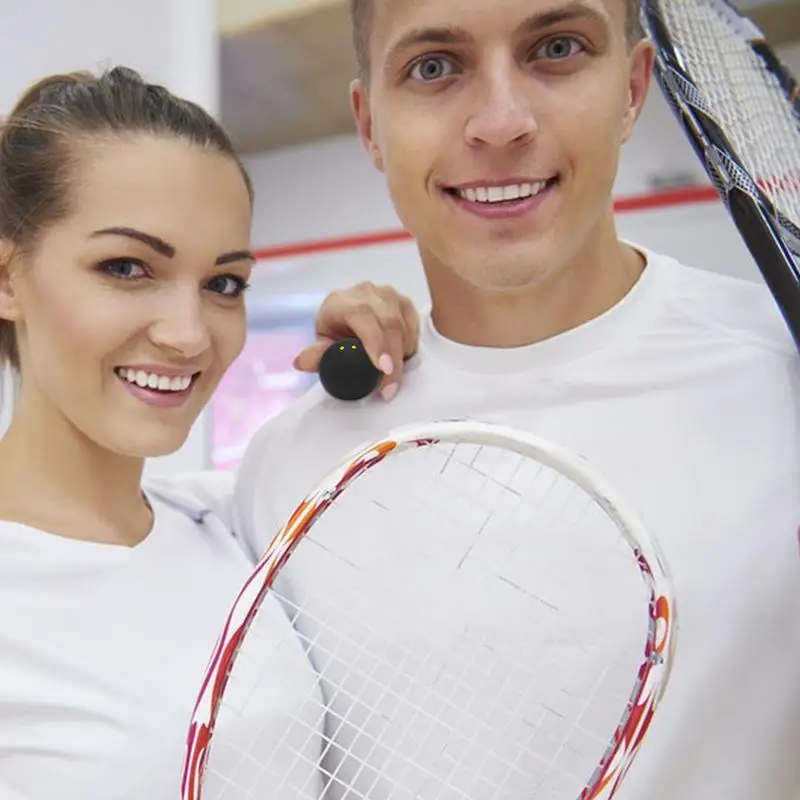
456	680
450	717
555	511
463	646
428	698
743	96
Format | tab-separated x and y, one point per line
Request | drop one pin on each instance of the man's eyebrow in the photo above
445	34
569	12
452	34
163	248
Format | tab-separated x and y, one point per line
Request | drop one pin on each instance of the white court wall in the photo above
330	189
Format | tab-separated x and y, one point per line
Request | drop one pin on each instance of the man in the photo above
498	126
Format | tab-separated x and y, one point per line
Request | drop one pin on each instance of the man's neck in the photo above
569	297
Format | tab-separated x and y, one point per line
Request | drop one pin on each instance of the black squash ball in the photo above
346	372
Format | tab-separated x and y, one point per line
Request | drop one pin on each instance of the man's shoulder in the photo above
290	453
313	431
312	413
722	306
321	423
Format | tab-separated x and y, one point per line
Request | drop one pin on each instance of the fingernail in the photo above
385	364
389	391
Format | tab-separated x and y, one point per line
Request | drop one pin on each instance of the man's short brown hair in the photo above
361	18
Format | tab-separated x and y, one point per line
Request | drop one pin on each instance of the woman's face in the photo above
129	310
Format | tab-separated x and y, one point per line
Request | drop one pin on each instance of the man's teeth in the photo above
149	380
498	194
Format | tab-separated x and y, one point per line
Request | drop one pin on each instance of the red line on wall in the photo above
624	205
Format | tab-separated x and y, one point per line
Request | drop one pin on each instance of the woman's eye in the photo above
228	285
125	268
432	68
560	48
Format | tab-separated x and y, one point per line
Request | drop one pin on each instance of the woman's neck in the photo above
54	478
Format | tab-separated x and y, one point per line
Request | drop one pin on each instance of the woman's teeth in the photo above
150	380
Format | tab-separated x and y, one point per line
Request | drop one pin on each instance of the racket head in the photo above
739	107
656	654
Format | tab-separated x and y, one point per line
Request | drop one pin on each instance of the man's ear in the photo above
9	301
641	69
362	114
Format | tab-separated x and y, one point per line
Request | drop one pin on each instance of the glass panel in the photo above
260	383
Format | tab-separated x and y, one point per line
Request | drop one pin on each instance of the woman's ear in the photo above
9	303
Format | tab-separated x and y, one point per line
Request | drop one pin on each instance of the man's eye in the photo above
559	48
432	68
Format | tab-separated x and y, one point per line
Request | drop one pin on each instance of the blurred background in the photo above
277	72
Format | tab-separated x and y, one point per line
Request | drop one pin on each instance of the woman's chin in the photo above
146	444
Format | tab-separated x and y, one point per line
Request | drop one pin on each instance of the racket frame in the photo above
772	240
658	650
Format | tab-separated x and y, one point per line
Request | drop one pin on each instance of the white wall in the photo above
330	189
790	55
6	398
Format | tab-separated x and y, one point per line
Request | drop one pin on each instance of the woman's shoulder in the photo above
207	486
197	494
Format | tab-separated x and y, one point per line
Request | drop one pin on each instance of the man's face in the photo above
498	126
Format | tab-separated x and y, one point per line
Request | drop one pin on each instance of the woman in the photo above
124	258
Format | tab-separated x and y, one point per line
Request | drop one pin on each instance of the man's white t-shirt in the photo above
103	649
687	395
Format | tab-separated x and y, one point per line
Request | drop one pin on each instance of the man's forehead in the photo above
435	8
392	14
403	24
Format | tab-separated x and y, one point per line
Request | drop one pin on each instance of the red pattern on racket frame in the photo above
275	556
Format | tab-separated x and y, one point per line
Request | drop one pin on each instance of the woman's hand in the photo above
384	320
